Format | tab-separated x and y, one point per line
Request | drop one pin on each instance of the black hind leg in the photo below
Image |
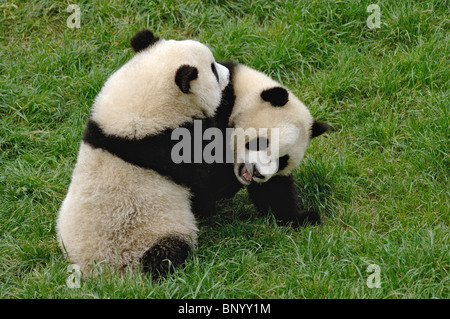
168	253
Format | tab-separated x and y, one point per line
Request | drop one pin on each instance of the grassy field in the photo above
380	179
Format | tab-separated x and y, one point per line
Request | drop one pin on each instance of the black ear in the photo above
277	96
185	74
318	128
142	39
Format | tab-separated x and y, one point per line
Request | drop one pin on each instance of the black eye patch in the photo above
257	144
214	70
283	162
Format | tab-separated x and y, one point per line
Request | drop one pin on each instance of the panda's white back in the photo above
110	199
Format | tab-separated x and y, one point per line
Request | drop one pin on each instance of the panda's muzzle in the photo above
245	173
249	173
256	173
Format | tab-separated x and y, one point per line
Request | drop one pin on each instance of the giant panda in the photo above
254	100
127	205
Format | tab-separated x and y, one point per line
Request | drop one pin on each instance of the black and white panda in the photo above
127	205
252	100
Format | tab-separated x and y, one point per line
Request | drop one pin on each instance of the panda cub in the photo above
122	207
276	129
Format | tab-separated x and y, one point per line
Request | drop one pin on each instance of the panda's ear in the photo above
142	39
277	96
185	74
318	128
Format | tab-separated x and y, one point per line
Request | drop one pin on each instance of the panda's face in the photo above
262	152
272	127
272	143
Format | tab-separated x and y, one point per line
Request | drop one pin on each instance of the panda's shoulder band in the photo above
151	152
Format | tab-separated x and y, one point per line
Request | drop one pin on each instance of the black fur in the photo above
279	194
143	39
154	152
277	96
164	256
257	144
223	112
222	182
185	74
214	70
283	162
318	128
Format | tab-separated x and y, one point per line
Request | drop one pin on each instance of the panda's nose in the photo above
257	174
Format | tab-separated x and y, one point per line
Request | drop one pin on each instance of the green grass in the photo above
380	179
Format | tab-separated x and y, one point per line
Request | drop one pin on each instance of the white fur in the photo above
142	98
224	75
115	211
292	120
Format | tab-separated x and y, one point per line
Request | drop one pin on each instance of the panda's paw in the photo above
302	219
165	255
308	218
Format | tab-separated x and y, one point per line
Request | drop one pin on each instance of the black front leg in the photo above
203	205
280	195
